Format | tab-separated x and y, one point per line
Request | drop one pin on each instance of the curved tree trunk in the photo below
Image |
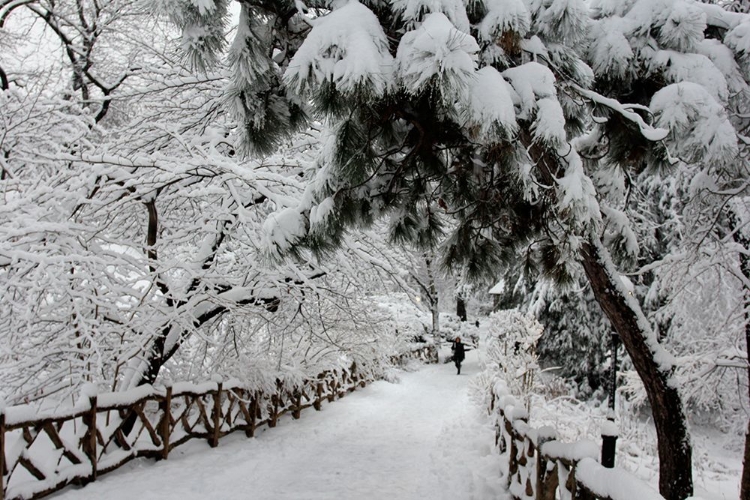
654	366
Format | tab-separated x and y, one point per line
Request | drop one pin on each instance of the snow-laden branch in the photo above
649	132
170	84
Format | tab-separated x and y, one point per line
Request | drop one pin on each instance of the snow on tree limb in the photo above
649	132
346	48
699	128
437	50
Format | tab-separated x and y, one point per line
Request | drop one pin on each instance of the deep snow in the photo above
419	438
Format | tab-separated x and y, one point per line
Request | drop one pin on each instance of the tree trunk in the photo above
434	302
653	366
744	242
745	482
461	308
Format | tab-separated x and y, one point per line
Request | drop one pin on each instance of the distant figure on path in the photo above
459	353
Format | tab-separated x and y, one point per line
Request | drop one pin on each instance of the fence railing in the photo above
542	468
41	453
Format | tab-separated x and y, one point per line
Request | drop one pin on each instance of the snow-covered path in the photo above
420	438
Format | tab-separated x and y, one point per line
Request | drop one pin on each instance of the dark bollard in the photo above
609	444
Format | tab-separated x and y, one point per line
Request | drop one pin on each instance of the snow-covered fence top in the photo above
542	468
42	452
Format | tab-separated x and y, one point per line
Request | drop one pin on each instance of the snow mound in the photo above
282	230
699	127
616	484
503	16
610	51
413	10
347	48
490	107
437	52
531	81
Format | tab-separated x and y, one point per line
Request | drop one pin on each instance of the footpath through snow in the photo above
420	438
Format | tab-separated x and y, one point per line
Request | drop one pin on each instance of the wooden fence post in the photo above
2	450
583	493
318	394
571	483
513	452
531	453
297	412
89	439
216	417
541	472
250	432
332	385
274	415
546	481
500	437
166	422
341	383
275	399
362	376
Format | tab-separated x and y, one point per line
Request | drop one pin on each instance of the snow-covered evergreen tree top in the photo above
495	112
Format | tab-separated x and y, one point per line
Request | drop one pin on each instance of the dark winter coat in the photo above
459	352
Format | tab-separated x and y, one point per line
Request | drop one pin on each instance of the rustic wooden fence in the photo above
42	453
539	467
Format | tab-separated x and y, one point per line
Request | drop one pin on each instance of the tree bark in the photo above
739	237
461	308
675	449
434	302
745	482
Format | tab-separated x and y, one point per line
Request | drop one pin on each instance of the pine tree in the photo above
576	335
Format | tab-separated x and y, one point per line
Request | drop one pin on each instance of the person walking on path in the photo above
459	353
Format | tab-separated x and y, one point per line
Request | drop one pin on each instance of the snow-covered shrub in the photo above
554	386
398	313
509	350
451	327
304	339
479	388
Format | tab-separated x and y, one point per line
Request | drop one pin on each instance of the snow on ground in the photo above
419	438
